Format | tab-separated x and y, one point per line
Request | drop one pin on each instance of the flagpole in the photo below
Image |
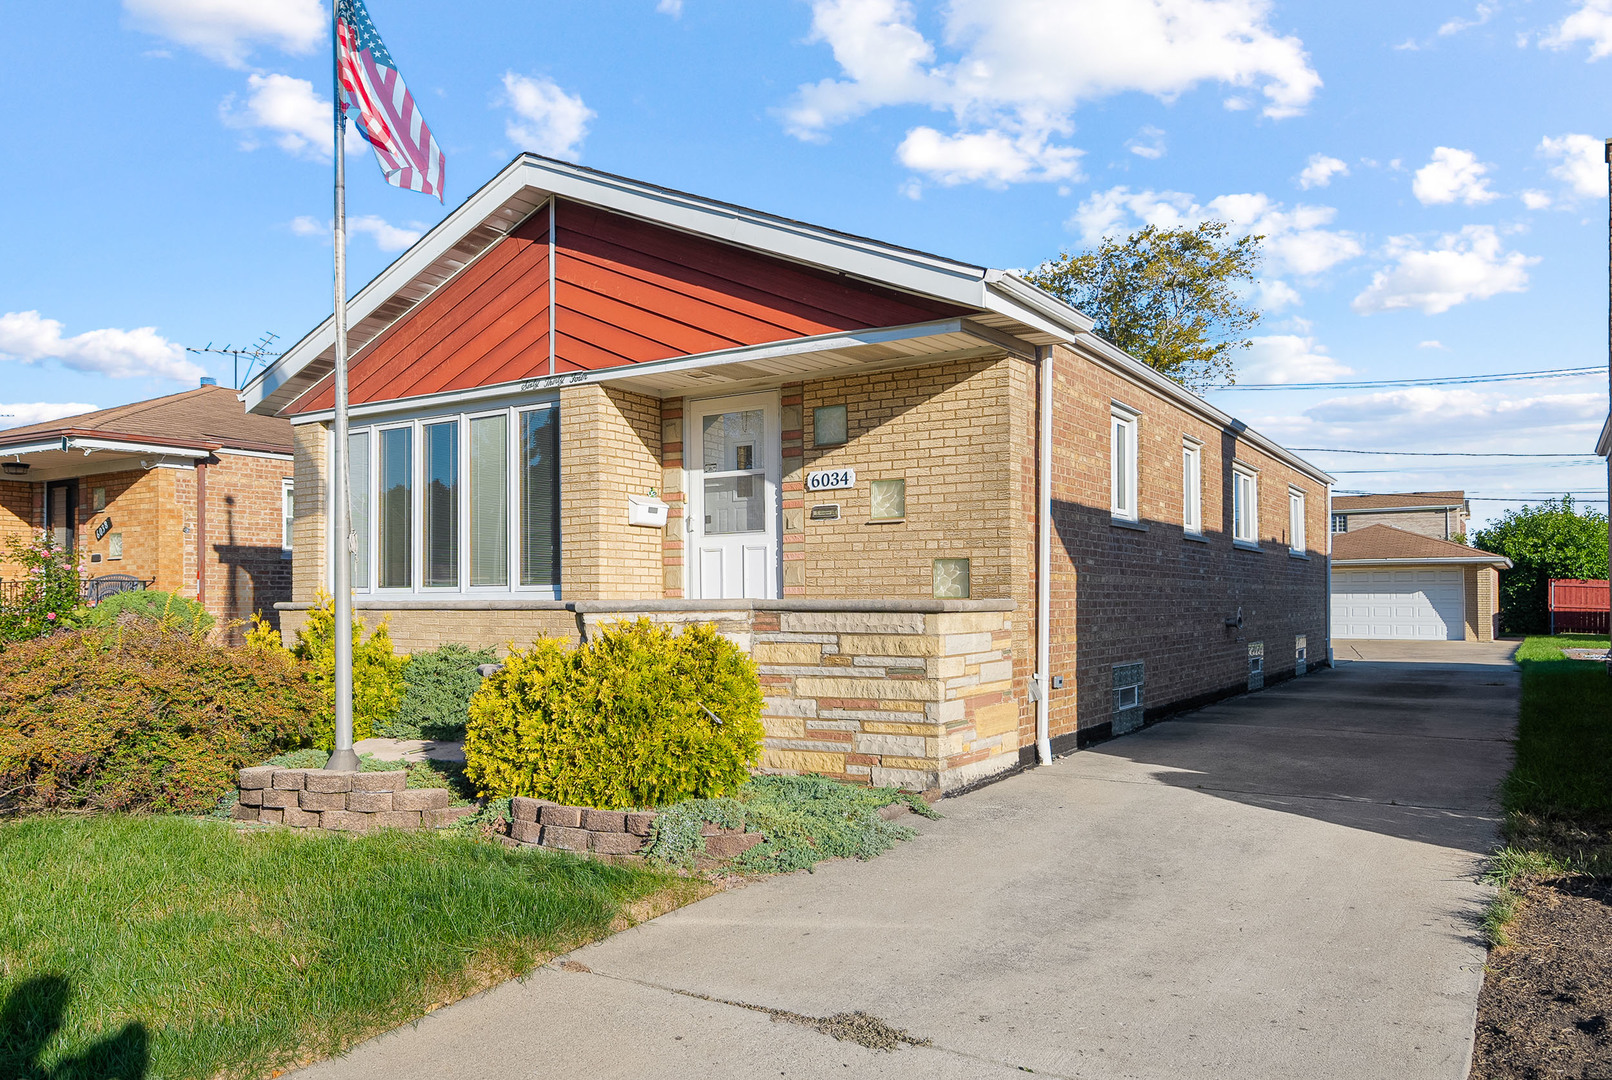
1609	387
343	756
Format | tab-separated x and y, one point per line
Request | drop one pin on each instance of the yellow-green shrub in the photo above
377	670
635	717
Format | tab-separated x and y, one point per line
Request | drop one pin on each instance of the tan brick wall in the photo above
674	541
610	447
1153	596
1484	583
414	630
310	528
146	513
18	517
1438	524
245	567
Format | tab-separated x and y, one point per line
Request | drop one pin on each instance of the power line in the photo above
1425	453
1452	380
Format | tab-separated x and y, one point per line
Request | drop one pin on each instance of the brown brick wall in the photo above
246	570
610	447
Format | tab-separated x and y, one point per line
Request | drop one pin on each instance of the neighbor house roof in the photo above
1603	445
999	308
196	421
1384	544
1405	500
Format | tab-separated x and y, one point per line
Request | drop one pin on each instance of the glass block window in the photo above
1127	697
828	425
951	579
98	499
1256	665
114	546
889	500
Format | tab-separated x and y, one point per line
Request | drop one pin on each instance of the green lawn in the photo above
165	947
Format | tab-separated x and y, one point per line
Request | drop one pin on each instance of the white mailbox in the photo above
646	510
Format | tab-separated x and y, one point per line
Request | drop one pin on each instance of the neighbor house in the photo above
1401	569
955	529
186	493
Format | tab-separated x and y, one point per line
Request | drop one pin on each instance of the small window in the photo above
1127	697
98	499
889	500
1191	487
114	546
1122	464
288	499
1301	648
1340	523
1295	521
951	579
1244	505
828	425
1256	665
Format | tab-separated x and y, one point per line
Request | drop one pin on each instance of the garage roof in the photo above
1384	544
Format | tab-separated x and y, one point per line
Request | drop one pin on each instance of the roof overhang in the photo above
1461	560
1004	301
90	444
1336	509
1603	445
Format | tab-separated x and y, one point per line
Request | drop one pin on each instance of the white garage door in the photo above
1417	603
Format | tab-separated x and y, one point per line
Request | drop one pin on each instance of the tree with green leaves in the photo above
1172	298
1552	540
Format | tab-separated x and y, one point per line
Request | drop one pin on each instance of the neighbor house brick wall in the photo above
141	505
246	569
1149	594
1482	585
311	527
18	518
1438	524
610	447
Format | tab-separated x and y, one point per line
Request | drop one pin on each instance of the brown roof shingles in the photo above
1377	542
209	416
1342	504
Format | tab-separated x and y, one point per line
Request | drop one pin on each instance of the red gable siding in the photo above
628	292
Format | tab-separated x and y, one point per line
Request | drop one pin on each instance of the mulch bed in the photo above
1546	1006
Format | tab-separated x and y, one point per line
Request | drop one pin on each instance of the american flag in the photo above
374	95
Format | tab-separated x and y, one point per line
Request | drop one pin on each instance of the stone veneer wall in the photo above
349	801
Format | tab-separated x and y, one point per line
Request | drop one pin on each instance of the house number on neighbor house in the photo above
830	479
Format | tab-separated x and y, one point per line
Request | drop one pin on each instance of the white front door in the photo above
733	455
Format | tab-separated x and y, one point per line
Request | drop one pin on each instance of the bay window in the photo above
465	503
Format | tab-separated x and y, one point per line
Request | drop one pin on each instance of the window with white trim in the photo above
1192	486
1122	463
288	502
1295	521
1244	505
1340	523
465	502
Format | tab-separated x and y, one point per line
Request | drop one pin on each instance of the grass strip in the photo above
181	947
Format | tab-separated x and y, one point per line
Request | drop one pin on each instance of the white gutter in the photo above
1041	681
1409	560
90	445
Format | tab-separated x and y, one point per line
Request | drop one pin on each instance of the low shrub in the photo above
141	717
636	717
436	696
180	612
377	669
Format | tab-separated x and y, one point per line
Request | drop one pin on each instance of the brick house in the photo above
1401	569
188	493
957	531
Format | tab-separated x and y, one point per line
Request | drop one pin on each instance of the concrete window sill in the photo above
1127	523
1298	555
1246	545
1196	538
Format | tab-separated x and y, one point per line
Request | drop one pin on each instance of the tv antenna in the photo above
256	353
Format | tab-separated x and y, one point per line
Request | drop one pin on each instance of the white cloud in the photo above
1147	143
1482	14
387	237
1288	358
1592	22
994	158
547	120
1274	294
1534	199
674	8
1295	240
298	120
1579	162
1015	70
26	336
1452	176
228	30
1463	266
38	412
1432	343
1319	171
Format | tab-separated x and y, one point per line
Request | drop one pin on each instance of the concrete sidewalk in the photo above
1282	886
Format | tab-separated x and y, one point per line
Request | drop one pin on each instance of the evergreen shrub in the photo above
436	696
180	612
141	717
637	717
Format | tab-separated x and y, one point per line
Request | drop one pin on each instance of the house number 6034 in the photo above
830	479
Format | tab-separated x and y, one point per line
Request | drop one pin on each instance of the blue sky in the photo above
1428	176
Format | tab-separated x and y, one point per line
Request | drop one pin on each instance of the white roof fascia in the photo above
1123	364
1394	509
1010	294
1409	560
90	445
39	447
1603	445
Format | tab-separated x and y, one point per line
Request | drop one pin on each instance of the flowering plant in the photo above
48	589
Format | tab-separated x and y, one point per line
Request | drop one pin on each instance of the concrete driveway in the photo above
1282	886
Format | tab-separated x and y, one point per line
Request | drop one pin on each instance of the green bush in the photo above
141	717
636	717
50	595
180	612
377	669
436	695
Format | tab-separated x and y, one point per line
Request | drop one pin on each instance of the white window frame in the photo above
1244	508
416	588
1296	507
1192	486
1340	519
288	501
1123	490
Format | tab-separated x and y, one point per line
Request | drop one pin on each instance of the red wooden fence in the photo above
1577	606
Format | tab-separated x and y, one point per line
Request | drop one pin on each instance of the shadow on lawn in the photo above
31	1017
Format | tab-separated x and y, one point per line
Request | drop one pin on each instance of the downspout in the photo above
201	532
1041	681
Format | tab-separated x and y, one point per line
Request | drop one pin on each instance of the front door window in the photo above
734	525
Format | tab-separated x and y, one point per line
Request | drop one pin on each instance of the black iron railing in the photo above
90	590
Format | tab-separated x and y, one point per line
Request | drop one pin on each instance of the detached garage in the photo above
1391	584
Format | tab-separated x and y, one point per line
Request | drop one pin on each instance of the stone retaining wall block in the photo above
394	780
371	802
616	843
279	799
527	832
328	782
564	817
524	809
421	799
287	779
299	819
728	845
639	824
435	819
565	838
243	812
251	796
323	800
398	819
271	817
604	820
258	776
345	820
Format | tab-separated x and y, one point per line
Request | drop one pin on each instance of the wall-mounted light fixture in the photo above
14	468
